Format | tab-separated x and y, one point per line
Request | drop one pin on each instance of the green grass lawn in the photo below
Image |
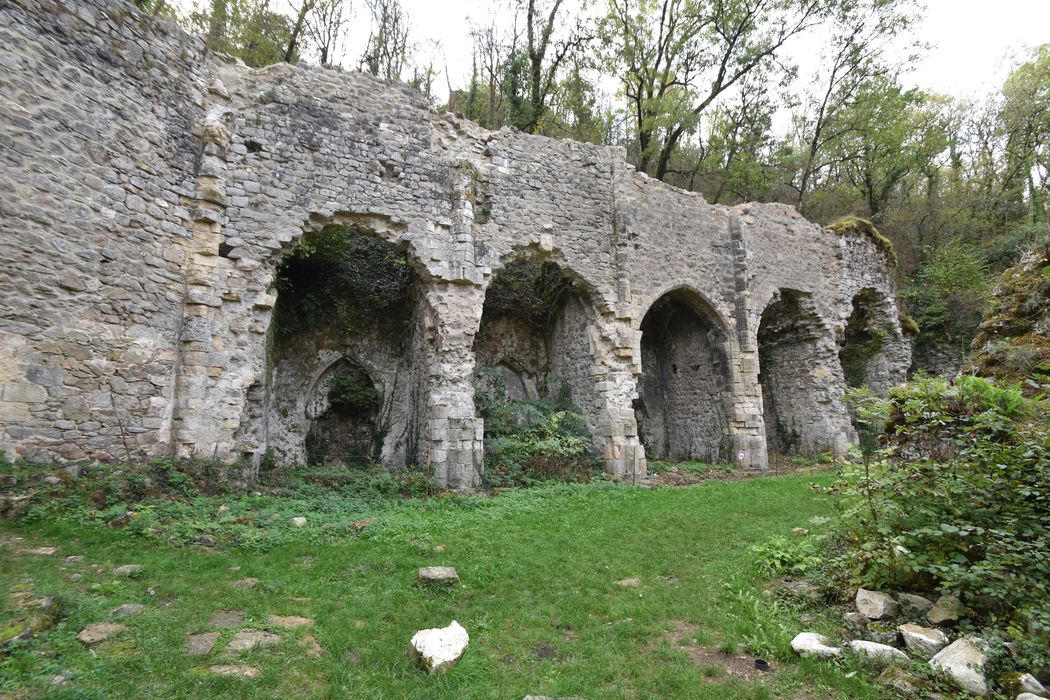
538	596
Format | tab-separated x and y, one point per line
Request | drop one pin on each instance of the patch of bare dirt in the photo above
742	666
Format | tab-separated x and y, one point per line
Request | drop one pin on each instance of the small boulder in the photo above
903	681
1030	696
99	632
914	604
813	644
122	519
128	610
856	621
1022	683
945	611
964	661
299	521
249	639
877	654
439	648
442	575
875	605
629	582
128	570
924	642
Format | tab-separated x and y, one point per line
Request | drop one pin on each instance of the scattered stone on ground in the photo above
246	583
801	589
249	639
236	671
799	531
964	661
903	681
74	559
629	582
122	519
201	643
1020	683
37	614
127	570
813	644
924	642
856	621
289	621
310	646
61	680
877	654
914	604
299	521
44	551
99	632
359	525
227	618
875	605
437	575
128	609
439	648
946	610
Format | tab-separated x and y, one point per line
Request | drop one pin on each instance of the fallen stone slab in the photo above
813	644
875	605
964	661
236	671
99	632
201	643
128	610
877	654
442	575
289	621
249	639
437	649
924	642
227	618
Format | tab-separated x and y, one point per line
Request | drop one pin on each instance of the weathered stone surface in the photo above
945	611
128	570
437	574
632	582
875	605
289	621
201	643
249	639
1018	683
964	661
437	649
877	654
99	632
914	604
856	621
235	671
165	220
128	610
227	618
924	642
813	644
299	521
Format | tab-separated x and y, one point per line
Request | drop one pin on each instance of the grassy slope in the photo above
538	568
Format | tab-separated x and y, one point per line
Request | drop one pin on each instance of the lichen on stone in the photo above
863	227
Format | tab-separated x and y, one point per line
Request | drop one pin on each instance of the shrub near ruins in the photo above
960	503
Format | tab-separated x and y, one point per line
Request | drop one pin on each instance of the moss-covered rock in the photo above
855	225
1013	340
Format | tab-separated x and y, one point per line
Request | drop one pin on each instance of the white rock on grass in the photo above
877	654
439	648
299	521
813	644
924	642
438	574
964	661
875	605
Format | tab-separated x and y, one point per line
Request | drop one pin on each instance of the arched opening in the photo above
683	403
340	356
863	349
534	382
796	356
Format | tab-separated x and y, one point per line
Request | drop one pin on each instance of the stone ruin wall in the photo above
149	189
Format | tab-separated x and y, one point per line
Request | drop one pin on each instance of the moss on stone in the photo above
909	325
855	225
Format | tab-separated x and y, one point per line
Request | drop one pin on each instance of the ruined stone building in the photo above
151	191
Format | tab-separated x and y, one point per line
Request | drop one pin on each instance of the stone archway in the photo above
341	352
684	403
798	374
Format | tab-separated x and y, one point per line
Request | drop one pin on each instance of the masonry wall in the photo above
150	189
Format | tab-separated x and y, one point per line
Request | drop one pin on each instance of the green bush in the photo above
531	441
959	501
